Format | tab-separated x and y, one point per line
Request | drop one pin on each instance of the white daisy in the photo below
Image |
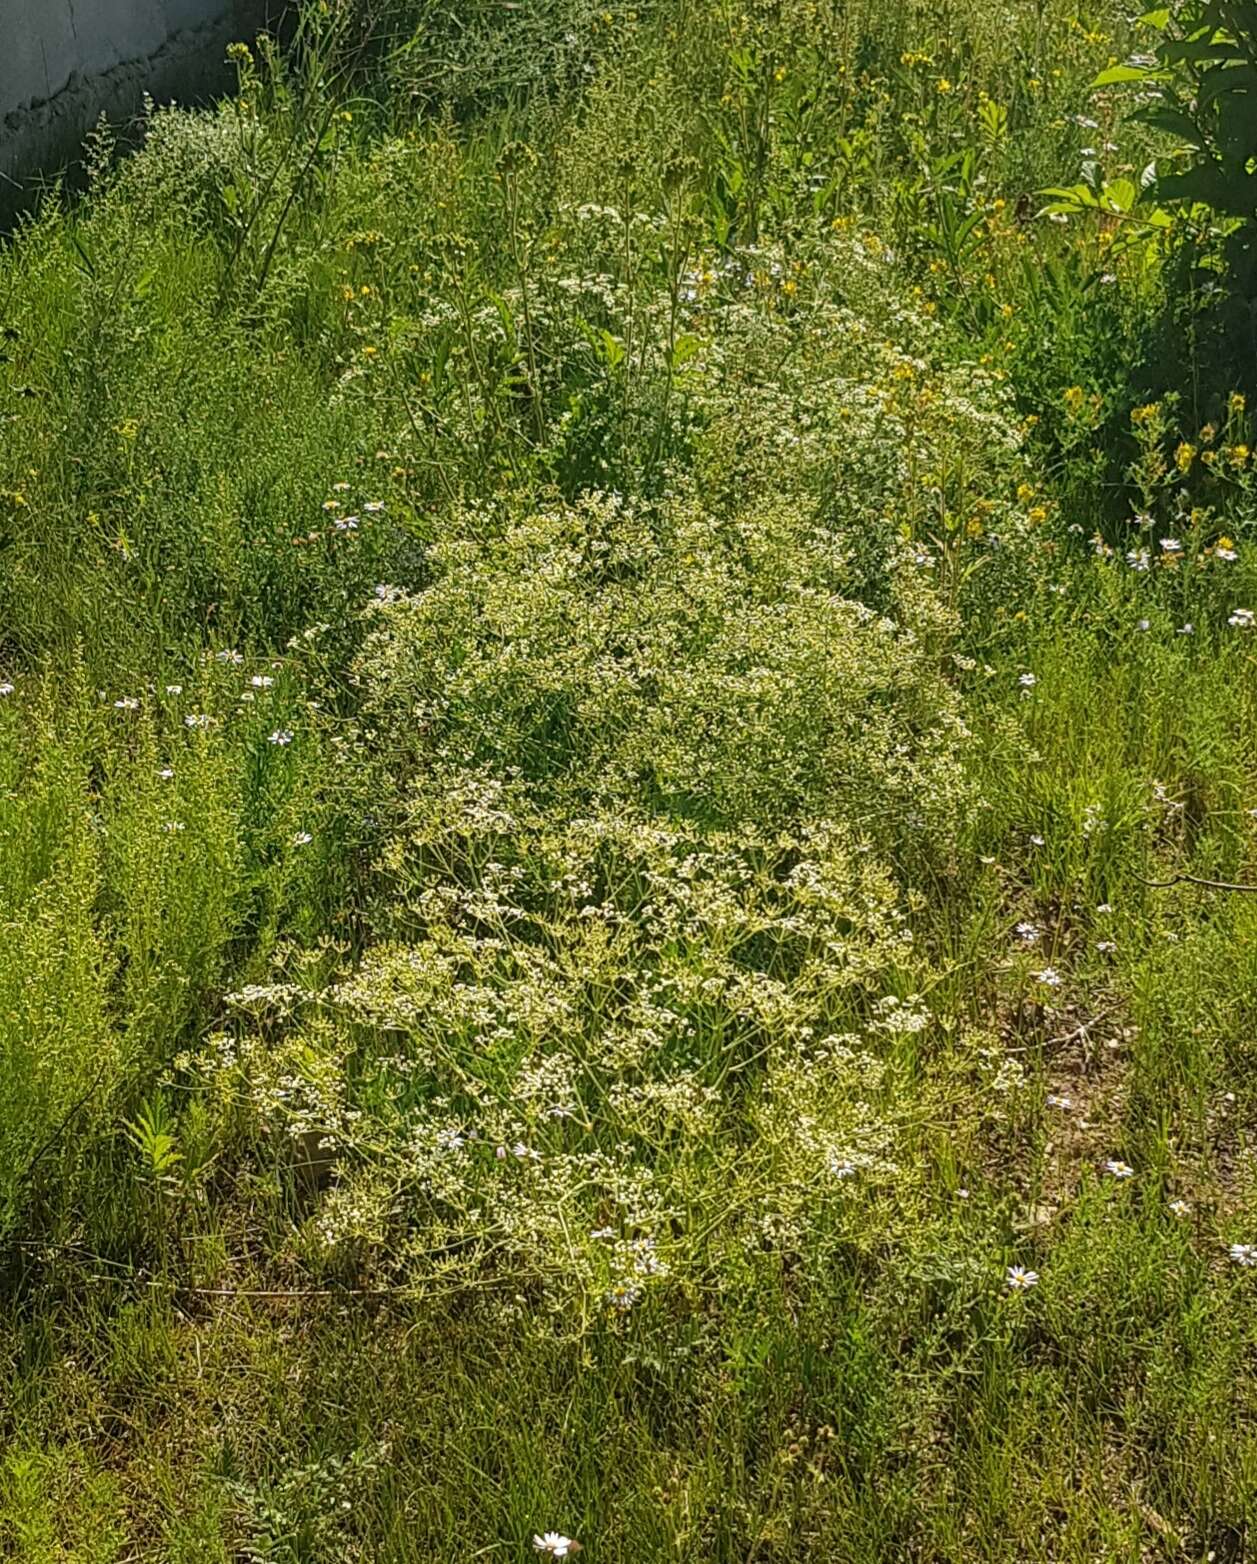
555	1544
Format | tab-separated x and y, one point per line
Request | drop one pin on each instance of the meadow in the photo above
628	795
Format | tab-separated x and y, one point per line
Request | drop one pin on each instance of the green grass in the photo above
588	760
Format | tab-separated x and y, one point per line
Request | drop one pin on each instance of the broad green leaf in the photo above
1174	122
1195	52
1121	194
1120	73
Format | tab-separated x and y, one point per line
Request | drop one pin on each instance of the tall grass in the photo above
627	703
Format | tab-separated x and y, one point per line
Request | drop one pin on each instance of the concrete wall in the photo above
64	62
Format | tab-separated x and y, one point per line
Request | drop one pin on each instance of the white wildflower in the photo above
555	1544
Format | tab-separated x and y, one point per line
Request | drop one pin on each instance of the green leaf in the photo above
1209	185
1120	73
612	348
1234	85
1068	198
1195	51
1120	194
1174	122
686	347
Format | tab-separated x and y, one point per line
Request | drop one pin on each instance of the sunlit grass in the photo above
620	737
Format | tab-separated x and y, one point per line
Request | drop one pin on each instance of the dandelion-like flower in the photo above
1049	977
6	688
1059	1100
127	703
1187	629
261	681
1020	1279
1171	546
1244	1254
1241	619
555	1544
1106	946
1119	1169
1028	933
301	839
1027	681
174	689
373	506
1180	1207
280	736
